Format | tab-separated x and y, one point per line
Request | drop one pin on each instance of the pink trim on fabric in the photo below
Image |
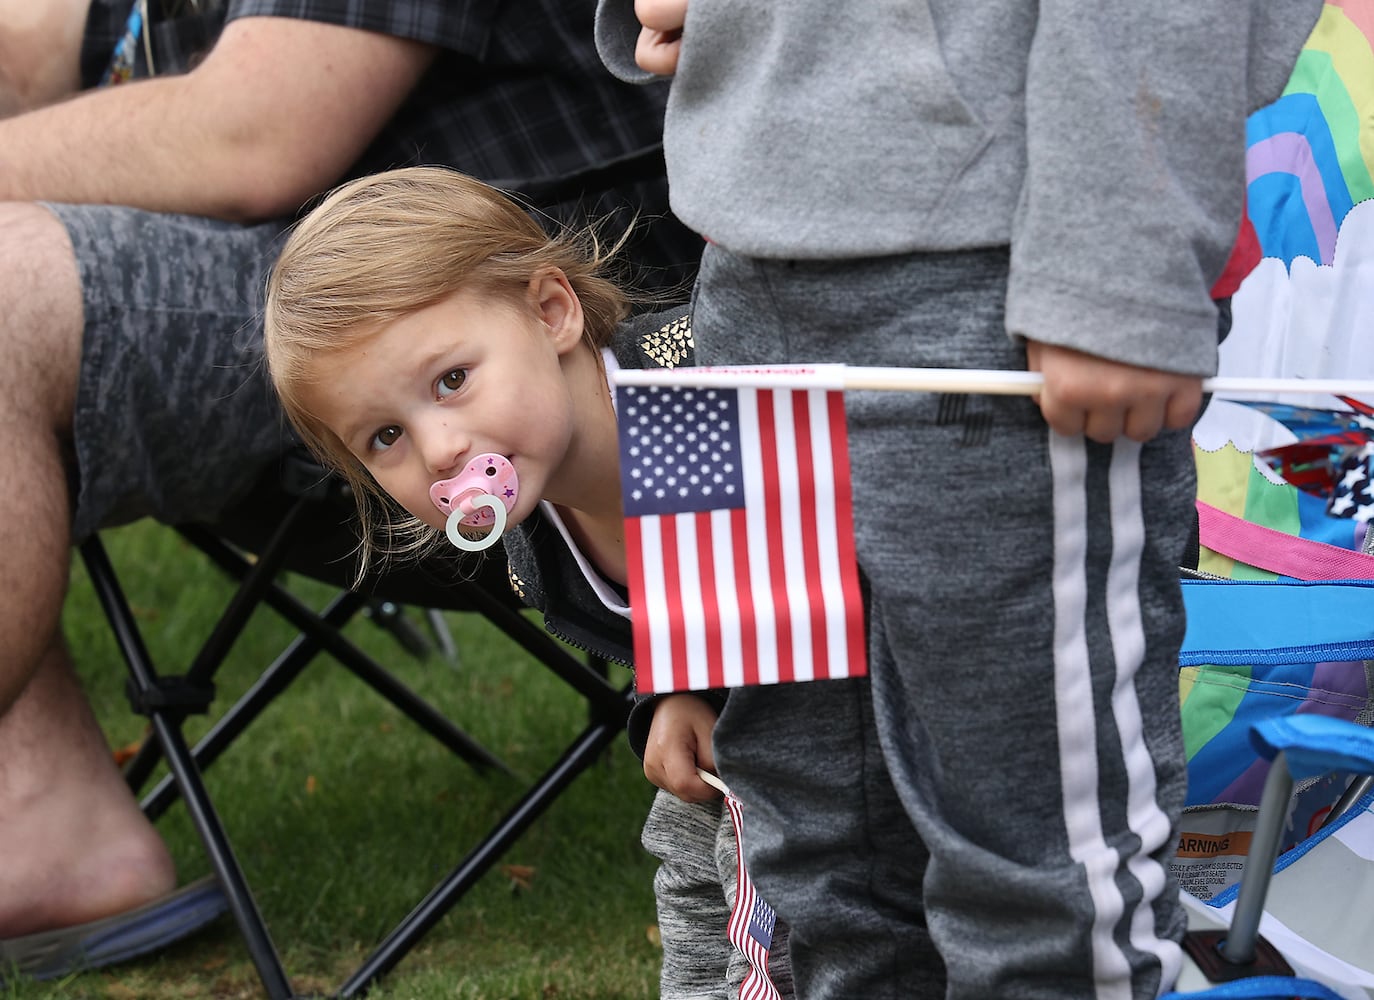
1277	551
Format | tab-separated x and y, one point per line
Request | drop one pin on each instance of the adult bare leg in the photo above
73	844
40	52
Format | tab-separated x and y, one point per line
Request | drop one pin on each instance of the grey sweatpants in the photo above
992	815
694	890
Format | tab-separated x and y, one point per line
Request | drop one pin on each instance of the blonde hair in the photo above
388	245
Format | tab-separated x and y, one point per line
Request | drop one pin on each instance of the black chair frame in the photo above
167	699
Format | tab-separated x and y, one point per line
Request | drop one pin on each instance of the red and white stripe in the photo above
757	985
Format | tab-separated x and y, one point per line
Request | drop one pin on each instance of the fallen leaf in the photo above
521	876
124	754
310	784
655	939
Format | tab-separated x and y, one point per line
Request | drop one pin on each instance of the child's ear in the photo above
558	307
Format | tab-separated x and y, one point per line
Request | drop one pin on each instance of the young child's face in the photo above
418	399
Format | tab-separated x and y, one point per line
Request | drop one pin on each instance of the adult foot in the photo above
69	860
74	845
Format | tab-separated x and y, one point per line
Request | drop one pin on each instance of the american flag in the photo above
751	922
740	536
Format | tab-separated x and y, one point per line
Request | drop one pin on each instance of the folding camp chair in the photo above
1313	907
312	533
1299	925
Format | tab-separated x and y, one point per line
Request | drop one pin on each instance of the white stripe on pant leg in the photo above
1143	814
1073	695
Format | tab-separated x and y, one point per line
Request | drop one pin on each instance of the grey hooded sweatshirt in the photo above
1102	142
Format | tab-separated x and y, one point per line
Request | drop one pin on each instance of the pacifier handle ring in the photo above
498	510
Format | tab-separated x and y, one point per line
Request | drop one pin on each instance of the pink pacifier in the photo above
479	496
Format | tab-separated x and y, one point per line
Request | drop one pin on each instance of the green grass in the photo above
344	814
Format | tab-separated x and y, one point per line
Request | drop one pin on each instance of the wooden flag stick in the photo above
713	781
972	380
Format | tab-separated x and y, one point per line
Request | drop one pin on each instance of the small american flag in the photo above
751	922
740	536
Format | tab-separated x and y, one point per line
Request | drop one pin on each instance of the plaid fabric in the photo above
181	30
518	96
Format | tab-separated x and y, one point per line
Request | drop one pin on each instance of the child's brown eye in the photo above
387	436
453	381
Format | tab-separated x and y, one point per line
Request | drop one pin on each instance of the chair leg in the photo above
274	680
227	629
354	659
166	723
